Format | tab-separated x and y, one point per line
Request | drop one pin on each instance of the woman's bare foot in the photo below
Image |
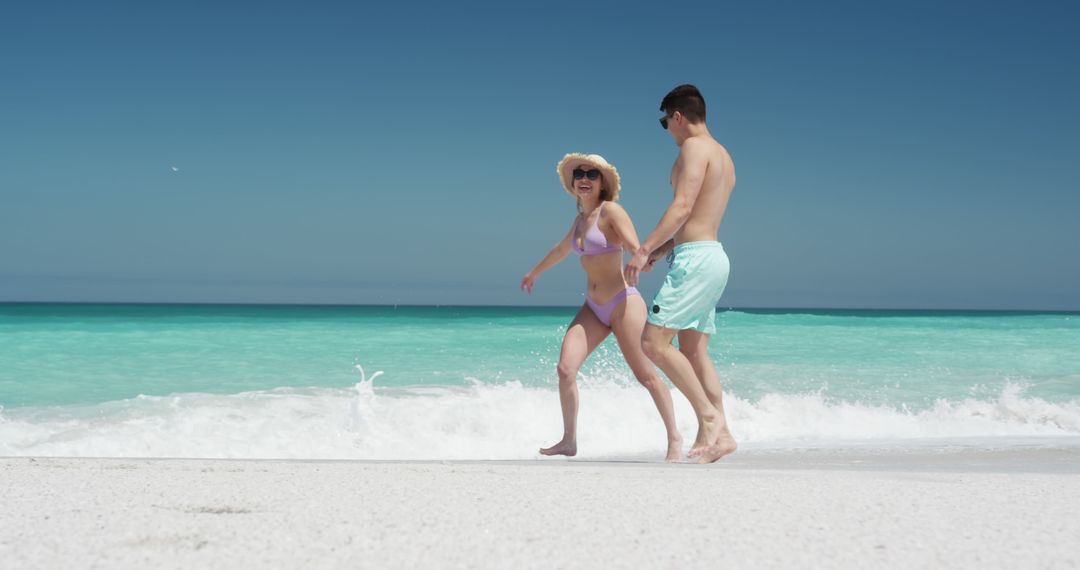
564	447
724	445
674	450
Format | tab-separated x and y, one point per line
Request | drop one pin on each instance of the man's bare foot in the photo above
700	442
724	445
567	448
709	429
674	450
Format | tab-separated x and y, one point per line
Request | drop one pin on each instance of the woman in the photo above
601	231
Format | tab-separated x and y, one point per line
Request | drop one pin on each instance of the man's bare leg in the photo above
584	334
695	347
628	322
656	342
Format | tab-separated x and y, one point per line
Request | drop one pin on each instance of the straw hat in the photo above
573	160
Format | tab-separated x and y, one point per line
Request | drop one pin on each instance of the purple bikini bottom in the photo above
603	312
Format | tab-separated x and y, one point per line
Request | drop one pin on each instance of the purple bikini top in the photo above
595	242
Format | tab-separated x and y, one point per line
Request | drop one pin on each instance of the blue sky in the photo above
889	155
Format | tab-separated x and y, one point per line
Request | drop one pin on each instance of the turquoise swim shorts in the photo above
688	297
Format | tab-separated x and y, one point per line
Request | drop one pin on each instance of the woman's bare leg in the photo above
628	322
584	334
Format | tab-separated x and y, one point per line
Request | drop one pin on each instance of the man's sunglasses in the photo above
663	121
592	174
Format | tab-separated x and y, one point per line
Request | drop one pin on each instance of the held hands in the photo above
638	263
527	282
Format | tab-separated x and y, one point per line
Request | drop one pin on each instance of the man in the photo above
702	177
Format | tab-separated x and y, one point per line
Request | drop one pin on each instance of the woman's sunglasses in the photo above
592	174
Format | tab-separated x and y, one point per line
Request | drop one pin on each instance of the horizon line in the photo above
719	308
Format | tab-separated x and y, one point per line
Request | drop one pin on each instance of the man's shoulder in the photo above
703	144
704	148
700	146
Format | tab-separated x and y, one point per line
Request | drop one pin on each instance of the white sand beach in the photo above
1014	509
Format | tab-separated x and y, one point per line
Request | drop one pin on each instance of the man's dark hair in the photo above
687	100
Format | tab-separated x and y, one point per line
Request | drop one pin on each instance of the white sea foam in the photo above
505	421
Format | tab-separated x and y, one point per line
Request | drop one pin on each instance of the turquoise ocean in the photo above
366	382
